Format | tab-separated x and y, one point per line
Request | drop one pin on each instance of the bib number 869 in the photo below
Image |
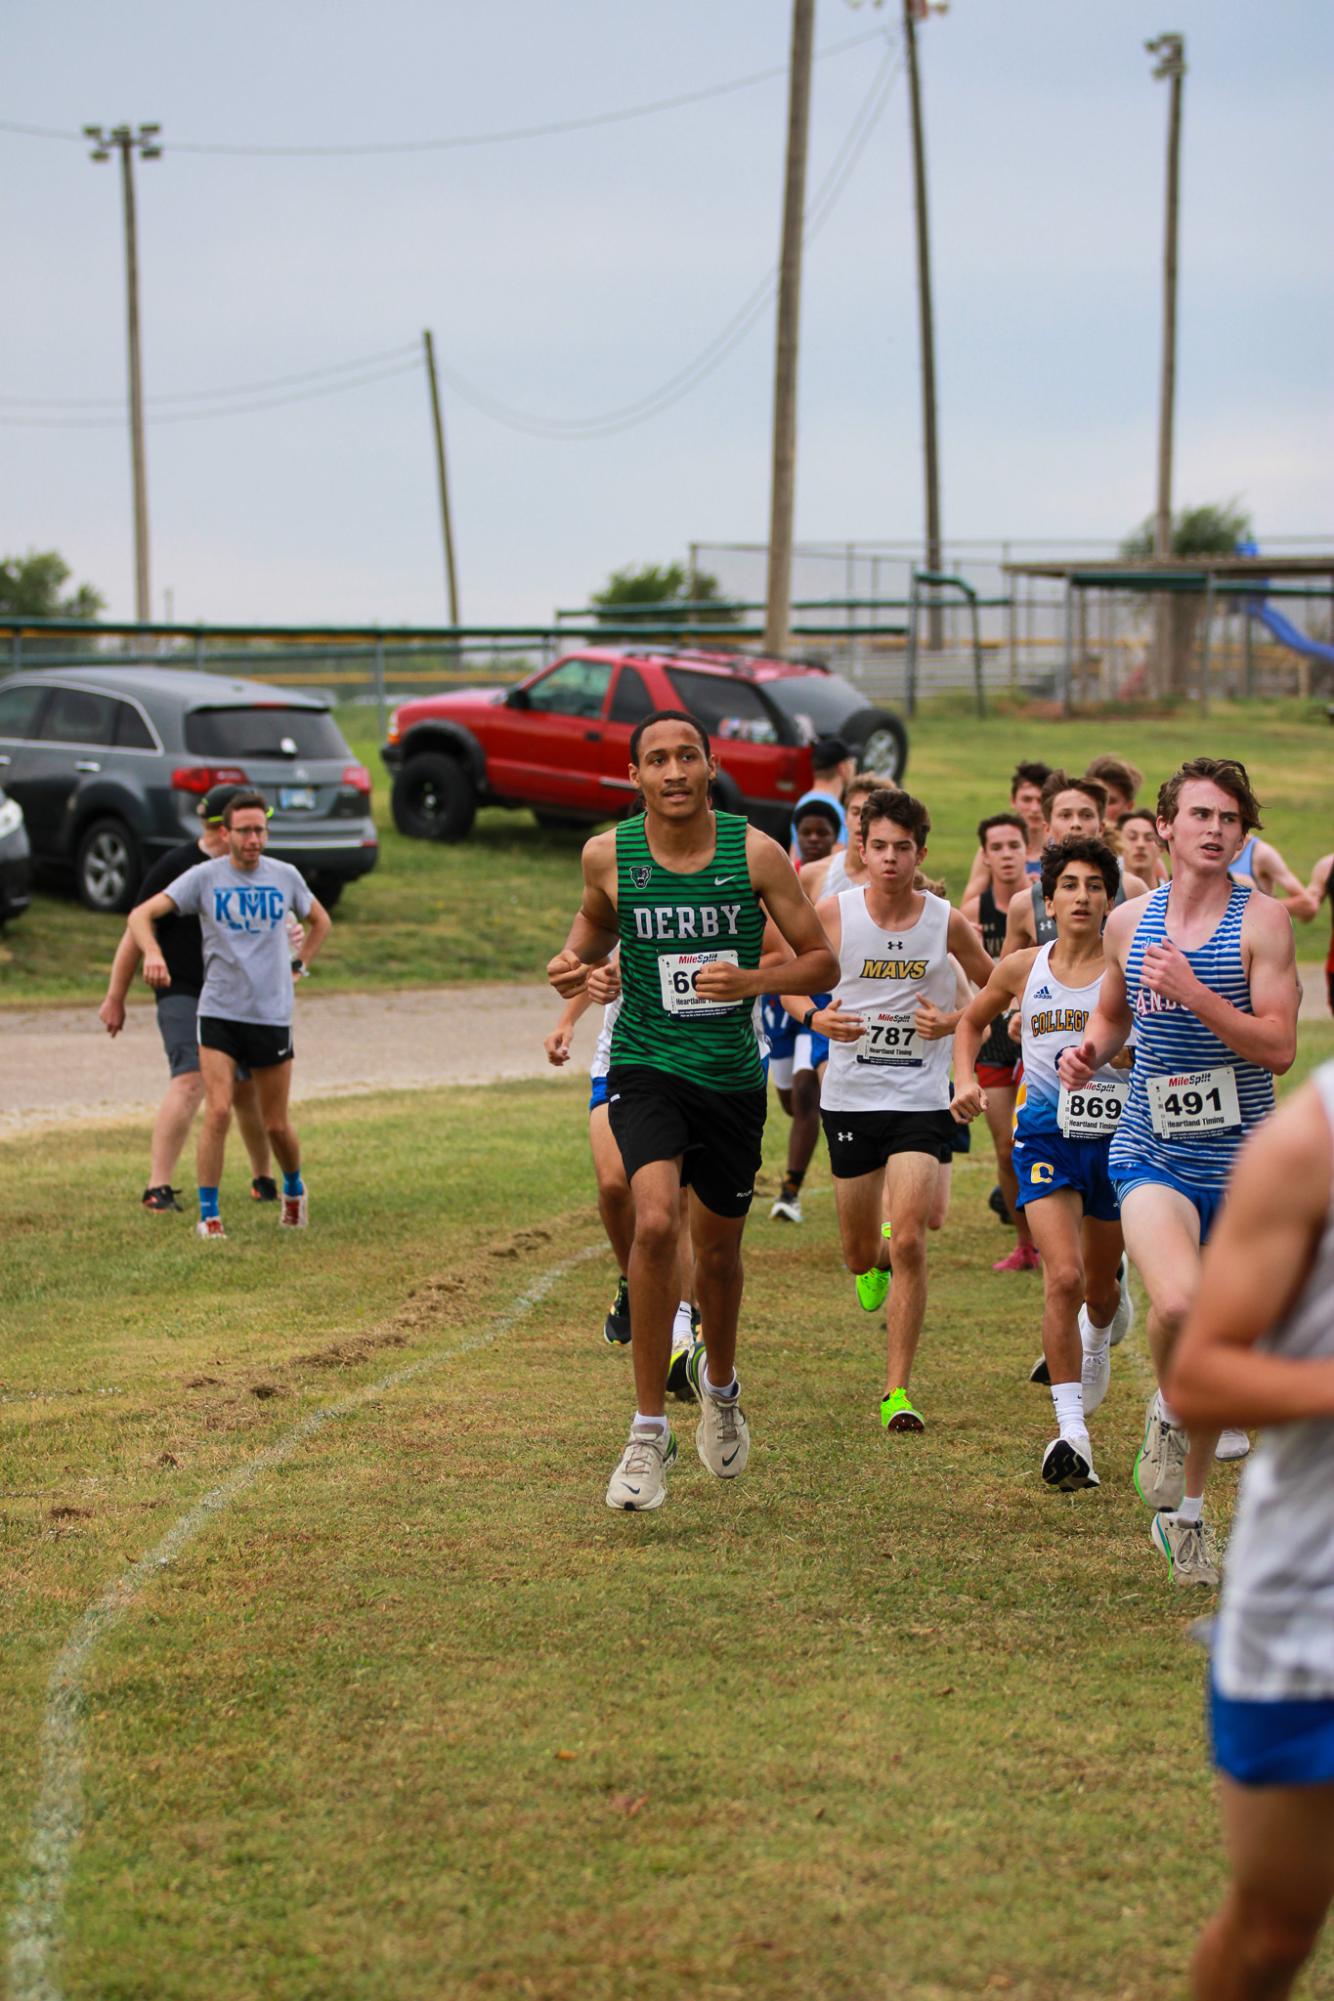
1094	1108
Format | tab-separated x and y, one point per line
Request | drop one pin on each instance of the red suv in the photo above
560	741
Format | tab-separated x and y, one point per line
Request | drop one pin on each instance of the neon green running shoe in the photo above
897	1413
872	1289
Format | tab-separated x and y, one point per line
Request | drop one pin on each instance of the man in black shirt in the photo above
177	1007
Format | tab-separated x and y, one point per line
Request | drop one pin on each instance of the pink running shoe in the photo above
1024	1257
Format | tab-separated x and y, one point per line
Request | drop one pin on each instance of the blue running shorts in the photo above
1044	1162
1272	1743
1205	1201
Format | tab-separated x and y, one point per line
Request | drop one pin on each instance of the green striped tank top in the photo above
671	925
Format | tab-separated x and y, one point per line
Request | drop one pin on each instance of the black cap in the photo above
828	751
824	809
216	801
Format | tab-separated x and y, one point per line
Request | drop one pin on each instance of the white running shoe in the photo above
640	1481
1124	1317
1188	1546
1067	1464
210	1229
295	1212
1160	1466
787	1209
722	1436
1232	1444
1096	1372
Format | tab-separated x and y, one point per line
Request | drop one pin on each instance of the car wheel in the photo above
328	888
434	799
107	868
880	740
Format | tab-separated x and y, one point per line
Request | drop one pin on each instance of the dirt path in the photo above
60	1065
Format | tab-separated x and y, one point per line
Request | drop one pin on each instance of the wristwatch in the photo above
299	969
809	1016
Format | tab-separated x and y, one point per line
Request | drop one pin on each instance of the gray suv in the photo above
109	763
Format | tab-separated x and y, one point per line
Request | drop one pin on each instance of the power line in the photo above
398	353
458	141
405	367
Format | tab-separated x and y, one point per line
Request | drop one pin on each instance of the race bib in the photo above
676	975
1193	1101
890	1041
1092	1111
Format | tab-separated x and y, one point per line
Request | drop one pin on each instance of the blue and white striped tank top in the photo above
1170	1040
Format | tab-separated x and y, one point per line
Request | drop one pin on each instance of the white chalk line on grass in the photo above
57	1822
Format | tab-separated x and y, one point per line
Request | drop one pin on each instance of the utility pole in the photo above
451	578
782	501
127	143
1171	635
913	10
1171	53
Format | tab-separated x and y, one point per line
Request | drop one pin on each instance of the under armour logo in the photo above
893	944
846	1138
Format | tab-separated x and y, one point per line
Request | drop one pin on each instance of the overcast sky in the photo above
573	274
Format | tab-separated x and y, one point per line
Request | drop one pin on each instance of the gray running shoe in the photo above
722	1437
1160	1467
1232	1444
1096	1372
1124	1317
640	1481
1067	1465
1189	1548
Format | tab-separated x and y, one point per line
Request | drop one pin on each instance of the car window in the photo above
75	716
18	710
731	711
818	704
267	730
630	698
575	688
132	732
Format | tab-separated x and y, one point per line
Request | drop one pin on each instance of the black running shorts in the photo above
718	1135
861	1142
253	1045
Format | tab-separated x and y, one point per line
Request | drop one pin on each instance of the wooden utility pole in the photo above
126	143
926	320
782	503
1173	624
446	525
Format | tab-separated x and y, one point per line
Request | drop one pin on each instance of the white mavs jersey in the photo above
1054	1017
1275	1635
884	976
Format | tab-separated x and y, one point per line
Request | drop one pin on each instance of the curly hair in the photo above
888	803
1079	849
1227	773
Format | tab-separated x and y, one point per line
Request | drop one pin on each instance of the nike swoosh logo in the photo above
629	1489
719	880
728	1457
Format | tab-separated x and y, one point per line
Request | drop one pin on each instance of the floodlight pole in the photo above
442	478
1171	64
126	143
912	9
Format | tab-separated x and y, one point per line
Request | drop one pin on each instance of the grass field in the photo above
497	906
404	1714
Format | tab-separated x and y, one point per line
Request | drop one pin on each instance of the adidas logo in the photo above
1042	993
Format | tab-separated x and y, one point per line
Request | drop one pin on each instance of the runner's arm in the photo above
595	930
1255	1263
111	1014
829	1021
1272	874
318	925
814	968
140	924
997	997
935	1023
1112	1022
1268	1035
978	877
1018	923
557	1043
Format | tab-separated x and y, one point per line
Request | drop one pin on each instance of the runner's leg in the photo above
219	1074
250	1124
940	1201
910	1183
171	1128
655	1193
1162	1233
1056	1222
1280	1842
615	1204
861	1212
1000	1124
274	1083
718	1281
1103	1246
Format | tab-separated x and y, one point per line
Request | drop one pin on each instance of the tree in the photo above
653	584
1212	530
30	587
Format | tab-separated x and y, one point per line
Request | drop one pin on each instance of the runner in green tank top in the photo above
686	892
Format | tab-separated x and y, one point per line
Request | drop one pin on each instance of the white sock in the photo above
1069	1401
723	1395
1093	1337
681	1326
655	1423
1191	1509
1166	1412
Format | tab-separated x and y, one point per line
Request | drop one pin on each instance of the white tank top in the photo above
883	975
602	1054
1054	1017
836	875
1275	1635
